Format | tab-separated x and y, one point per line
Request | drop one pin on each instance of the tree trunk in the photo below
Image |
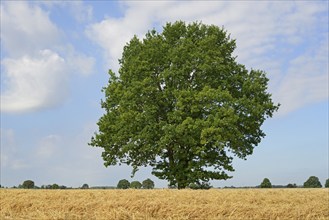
180	177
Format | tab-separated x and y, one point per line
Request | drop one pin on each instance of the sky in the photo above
55	56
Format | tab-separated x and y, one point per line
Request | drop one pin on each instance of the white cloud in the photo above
83	64
33	82
80	11
26	28
269	36
79	63
37	62
112	34
306	80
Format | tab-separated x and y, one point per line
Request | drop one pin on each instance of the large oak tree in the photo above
183	105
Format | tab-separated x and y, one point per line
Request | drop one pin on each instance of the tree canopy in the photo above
135	185
123	184
266	183
148	184
290	185
55	186
85	186
312	182
28	184
183	105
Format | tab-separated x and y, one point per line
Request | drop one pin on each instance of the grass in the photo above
165	204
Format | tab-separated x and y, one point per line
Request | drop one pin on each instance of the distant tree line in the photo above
125	184
311	182
122	184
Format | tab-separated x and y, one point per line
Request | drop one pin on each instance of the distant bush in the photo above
135	185
148	184
55	186
46	187
290	185
327	183
266	183
28	184
123	184
85	186
203	185
312	182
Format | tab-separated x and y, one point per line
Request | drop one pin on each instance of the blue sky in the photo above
54	61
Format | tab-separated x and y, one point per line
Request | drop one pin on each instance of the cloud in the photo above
33	82
79	63
270	36
26	28
37	62
80	11
112	34
306	80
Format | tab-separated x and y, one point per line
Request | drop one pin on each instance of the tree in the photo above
327	183
203	185
62	187
48	186
55	186
123	184
290	185
148	184
266	183
135	185
180	103
28	184
85	186
312	182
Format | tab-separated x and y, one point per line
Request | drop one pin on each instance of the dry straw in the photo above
165	204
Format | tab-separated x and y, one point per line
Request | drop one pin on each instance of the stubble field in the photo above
165	204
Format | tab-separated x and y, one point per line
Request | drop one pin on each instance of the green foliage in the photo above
180	103
85	186
290	185
312	182
266	183
203	185
123	184
327	183
27	184
47	186
55	186
135	185
148	184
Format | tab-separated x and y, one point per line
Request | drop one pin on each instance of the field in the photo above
165	204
